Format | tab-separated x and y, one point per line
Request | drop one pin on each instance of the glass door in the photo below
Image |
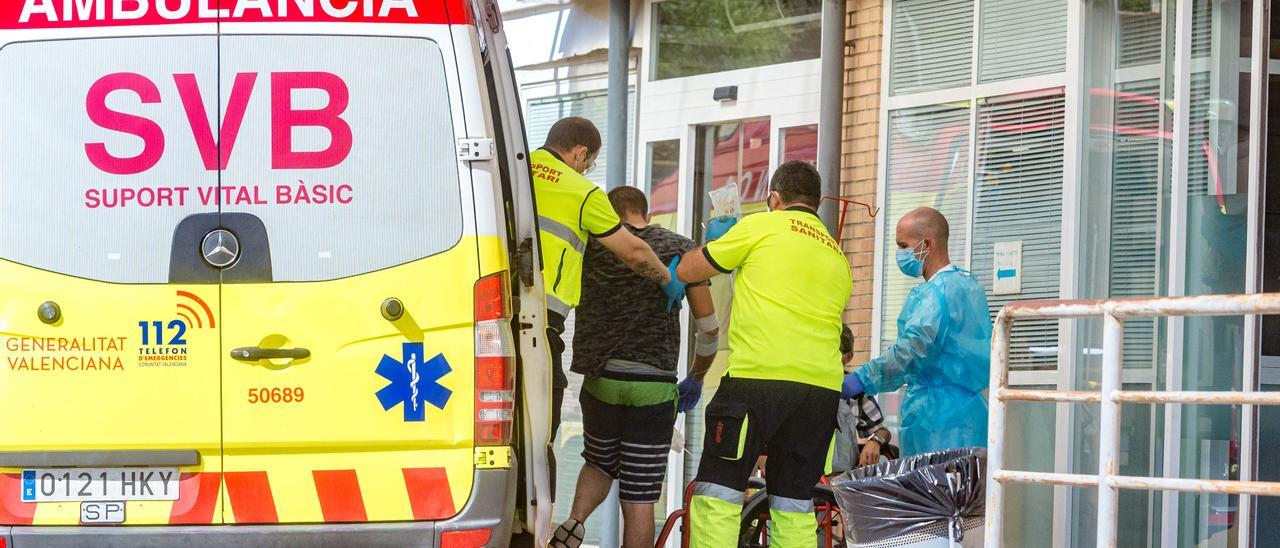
725	152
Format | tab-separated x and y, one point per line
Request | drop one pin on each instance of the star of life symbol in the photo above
414	382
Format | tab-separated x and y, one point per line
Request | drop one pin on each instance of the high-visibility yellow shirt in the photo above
789	296
570	209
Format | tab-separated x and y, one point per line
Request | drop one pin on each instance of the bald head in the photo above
925	231
925	222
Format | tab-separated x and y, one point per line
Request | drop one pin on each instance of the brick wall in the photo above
859	151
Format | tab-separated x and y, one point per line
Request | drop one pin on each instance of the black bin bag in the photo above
930	499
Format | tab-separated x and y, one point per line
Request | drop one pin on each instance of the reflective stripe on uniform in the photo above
556	305
717	491
714	516
559	230
790	505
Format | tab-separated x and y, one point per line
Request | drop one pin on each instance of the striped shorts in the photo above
627	426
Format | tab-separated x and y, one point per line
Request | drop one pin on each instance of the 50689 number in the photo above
276	395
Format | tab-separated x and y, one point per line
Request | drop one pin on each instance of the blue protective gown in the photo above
943	356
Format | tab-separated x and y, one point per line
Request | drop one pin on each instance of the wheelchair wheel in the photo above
754	529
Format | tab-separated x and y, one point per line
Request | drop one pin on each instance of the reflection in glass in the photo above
800	143
1127	187
664	183
694	37
1217	201
1125	191
1031	428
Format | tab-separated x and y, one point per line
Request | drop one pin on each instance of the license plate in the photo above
99	484
102	512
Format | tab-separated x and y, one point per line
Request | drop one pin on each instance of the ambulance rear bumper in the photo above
491	507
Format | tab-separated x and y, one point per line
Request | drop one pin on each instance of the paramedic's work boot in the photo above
568	535
714	516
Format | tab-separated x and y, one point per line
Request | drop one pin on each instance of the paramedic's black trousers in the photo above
559	382
795	422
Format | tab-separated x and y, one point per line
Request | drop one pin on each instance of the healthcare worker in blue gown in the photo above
943	351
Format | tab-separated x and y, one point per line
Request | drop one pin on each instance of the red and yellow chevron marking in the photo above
250	497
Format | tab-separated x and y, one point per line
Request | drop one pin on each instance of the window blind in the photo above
1198	176
542	113
1135	210
932	45
1018	197
1139	38
1022	38
928	165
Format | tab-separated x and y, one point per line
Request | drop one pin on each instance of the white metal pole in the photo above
1258	80
1109	430
995	431
1177	261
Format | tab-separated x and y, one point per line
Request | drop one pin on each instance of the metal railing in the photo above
1108	482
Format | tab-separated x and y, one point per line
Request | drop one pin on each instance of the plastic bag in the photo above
725	201
911	494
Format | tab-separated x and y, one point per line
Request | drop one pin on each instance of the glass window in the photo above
733	152
400	173
1127	191
315	153
1018	202
800	143
1216	242
932	45
542	113
694	37
664	183
928	166
1031	439
81	199
1022	38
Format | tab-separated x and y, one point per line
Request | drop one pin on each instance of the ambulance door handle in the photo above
254	353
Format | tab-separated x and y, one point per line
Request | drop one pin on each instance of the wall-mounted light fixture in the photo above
725	94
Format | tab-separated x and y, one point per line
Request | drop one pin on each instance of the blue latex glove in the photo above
851	387
690	393
674	288
718	226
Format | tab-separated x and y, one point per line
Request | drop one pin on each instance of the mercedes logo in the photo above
220	248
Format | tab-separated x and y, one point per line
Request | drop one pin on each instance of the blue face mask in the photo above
909	263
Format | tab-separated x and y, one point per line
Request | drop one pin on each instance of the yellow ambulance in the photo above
266	277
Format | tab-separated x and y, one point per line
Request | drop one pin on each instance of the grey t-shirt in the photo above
623	316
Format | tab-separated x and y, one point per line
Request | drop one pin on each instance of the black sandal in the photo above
568	535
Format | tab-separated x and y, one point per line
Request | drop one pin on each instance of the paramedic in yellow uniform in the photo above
782	385
570	210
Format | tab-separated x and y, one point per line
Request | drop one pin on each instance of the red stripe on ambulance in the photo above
429	494
197	499
45	14
12	510
339	493
250	496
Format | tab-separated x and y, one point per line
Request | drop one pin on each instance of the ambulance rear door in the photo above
109	312
348	349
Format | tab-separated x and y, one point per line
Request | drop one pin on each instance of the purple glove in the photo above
851	387
690	393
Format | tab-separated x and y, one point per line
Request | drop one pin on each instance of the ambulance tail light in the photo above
495	362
